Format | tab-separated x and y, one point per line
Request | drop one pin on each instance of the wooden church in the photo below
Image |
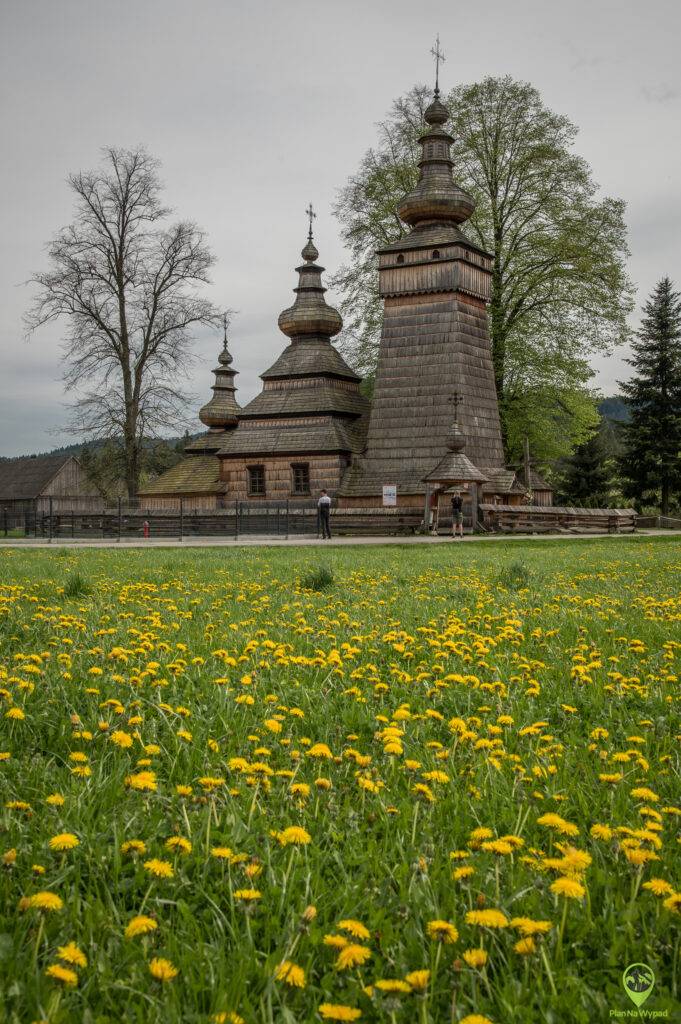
433	423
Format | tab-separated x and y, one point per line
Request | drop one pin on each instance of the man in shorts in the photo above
457	515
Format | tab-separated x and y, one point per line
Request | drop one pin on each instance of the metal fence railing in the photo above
49	519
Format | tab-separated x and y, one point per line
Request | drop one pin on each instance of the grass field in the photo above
405	784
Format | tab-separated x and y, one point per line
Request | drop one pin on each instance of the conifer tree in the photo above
651	460
588	475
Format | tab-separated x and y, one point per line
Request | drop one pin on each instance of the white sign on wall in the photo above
389	494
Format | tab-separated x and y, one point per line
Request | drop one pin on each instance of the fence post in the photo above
73	524
4	516
120	519
236	518
50	522
287	519
181	519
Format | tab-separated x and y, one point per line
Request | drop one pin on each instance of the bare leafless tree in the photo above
127	283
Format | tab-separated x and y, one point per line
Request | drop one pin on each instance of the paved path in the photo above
312	542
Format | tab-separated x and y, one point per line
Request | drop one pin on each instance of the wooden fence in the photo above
556	519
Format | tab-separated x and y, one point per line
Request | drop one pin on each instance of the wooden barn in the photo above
34	480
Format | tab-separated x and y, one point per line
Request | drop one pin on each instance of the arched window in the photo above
435	254
400	258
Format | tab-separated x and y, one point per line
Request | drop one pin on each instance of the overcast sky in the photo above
256	107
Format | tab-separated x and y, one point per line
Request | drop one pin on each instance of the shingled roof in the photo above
29	476
195	474
281	439
317	398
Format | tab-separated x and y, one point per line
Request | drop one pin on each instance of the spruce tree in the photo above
650	464
587	479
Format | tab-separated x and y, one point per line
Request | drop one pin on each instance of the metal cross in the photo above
439	56
225	321
456	399
311	216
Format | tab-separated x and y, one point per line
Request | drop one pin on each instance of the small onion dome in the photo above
310	314
222	411
436	113
456	441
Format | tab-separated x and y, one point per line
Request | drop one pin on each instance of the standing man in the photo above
324	508
457	515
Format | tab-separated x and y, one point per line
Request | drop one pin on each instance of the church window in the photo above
400	258
256	480
301	477
436	254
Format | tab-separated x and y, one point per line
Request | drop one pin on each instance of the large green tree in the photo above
651	458
559	284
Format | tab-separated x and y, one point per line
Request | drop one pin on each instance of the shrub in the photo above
319	579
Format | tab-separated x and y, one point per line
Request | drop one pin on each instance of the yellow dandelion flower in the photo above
71	954
140	925
178	843
55	800
162	969
554	821
121	739
133	846
221	853
290	973
525	946
568	887
659	887
673	902
355	928
475	957
338	1011
45	901
464	872
352	955
603	832
64	841
487	918
393	986
247	895
335	941
442	931
294	835
527	926
418	980
159	868
66	976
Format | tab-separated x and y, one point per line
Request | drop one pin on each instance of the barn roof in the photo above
27	477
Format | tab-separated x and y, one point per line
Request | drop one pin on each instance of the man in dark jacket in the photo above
457	515
324	508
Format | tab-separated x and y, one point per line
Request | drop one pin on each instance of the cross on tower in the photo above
439	56
456	400
311	216
225	321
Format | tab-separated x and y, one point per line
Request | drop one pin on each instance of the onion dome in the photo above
222	411
310	316
436	198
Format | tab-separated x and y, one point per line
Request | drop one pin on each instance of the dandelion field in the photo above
442	787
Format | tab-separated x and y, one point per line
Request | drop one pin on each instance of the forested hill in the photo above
613	408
